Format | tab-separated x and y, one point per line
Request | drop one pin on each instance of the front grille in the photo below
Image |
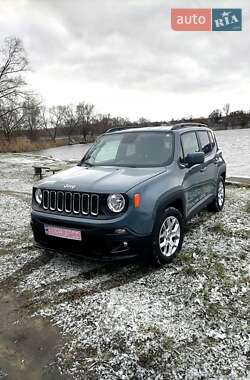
71	203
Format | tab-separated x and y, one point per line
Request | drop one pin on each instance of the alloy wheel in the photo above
169	236
220	194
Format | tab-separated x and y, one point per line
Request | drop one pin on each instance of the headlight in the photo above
116	202
38	196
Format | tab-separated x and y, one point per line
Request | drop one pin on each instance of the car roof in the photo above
179	128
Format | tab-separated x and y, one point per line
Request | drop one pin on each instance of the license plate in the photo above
64	233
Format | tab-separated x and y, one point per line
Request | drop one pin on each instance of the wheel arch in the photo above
176	200
222	172
223	175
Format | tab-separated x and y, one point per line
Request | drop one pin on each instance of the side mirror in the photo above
219	152
195	158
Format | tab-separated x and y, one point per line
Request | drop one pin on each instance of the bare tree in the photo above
70	121
13	63
120	122
11	121
89	117
226	109
226	120
56	120
44	119
143	122
216	116
101	123
32	116
84	114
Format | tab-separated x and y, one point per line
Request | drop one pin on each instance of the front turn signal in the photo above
136	200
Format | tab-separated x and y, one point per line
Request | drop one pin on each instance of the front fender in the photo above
155	194
173	196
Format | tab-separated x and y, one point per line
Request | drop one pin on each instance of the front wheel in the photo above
218	203
168	236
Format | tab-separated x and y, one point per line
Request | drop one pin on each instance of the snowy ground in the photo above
187	320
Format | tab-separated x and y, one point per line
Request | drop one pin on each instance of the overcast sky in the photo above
122	56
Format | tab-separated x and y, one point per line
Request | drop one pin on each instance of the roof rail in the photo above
116	129
182	125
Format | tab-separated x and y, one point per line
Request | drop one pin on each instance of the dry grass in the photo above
25	145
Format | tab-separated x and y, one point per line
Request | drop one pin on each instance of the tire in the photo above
165	253
218	203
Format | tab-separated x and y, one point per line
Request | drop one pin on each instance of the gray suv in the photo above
131	194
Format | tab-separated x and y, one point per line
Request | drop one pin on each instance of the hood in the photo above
99	179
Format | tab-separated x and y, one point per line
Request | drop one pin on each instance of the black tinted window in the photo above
205	142
189	143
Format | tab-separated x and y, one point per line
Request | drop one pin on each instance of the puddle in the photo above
28	346
4	252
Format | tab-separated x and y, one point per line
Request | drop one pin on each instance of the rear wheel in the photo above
168	236
218	203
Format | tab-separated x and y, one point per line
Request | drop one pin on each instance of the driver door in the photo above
192	177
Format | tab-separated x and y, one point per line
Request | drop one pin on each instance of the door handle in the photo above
216	160
203	169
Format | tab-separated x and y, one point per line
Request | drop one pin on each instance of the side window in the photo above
189	143
205	142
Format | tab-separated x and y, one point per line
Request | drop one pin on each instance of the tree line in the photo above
22	112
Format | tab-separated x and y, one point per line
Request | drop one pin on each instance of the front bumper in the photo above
100	243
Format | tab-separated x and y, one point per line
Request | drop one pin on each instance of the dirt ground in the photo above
66	318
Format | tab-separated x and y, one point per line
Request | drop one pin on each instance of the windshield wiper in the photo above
86	163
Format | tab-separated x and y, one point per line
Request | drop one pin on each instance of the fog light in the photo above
125	244
120	231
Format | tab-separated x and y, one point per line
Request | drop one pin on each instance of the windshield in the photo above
132	149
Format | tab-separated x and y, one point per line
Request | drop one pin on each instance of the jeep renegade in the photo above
131	194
